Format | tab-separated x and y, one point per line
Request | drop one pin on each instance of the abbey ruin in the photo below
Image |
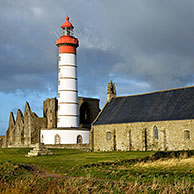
24	131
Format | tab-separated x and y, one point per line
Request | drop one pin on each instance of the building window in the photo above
59	58
58	119
57	139
108	136
155	132
59	70
187	135
59	94
79	139
58	107
59	82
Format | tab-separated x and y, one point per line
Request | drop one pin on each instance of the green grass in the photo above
102	172
63	160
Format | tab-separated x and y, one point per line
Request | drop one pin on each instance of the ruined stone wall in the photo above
8	136
2	141
36	125
25	130
140	136
18	129
50	112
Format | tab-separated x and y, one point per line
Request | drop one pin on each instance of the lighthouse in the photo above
67	78
68	130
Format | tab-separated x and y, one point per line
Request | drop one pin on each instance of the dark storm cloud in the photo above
149	42
93	70
155	40
29	29
26	55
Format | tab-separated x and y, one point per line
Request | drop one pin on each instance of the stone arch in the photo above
57	139
79	139
85	113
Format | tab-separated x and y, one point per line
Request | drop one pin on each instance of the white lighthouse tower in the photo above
67	78
67	131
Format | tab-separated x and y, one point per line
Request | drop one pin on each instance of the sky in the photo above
143	46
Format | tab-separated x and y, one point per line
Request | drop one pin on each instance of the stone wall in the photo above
2	141
50	112
24	131
70	146
140	136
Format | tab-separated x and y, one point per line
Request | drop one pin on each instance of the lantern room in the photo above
67	28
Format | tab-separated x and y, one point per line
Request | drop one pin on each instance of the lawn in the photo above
63	160
75	171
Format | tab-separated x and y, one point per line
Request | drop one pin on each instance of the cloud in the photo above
148	44
150	41
154	39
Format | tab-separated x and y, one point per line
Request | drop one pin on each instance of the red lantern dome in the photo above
67	43
67	23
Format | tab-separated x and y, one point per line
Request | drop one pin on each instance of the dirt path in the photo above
37	170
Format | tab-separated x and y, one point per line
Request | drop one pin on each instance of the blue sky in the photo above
142	46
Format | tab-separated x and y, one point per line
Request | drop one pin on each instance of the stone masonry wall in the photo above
2	141
140	136
70	146
50	112
25	130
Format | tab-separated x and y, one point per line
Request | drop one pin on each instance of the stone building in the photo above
162	120
2	139
25	130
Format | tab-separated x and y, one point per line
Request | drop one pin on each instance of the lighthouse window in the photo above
59	58
59	70
58	107
68	31
59	82
79	139
59	94
57	139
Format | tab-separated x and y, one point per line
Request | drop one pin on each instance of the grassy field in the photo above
74	171
63	160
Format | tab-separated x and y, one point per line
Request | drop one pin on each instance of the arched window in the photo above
84	113
57	139
186	134
155	132
79	139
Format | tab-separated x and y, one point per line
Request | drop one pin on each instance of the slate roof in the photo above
175	104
